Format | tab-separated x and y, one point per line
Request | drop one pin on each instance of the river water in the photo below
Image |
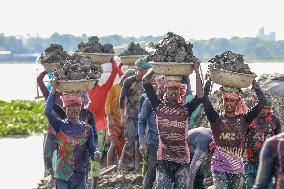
18	81
21	162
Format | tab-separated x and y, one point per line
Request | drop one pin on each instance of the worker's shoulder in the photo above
272	141
116	86
130	79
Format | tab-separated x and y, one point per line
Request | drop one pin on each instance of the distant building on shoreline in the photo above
262	35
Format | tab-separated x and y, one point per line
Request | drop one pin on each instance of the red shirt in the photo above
98	95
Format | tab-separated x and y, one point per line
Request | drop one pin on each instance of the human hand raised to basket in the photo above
54	84
148	76
207	87
255	85
196	65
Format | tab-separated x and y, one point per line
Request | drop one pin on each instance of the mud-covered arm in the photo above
41	84
150	91
265	168
141	101
251	115
124	90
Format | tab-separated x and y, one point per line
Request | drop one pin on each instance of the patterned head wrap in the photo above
71	100
142	63
241	108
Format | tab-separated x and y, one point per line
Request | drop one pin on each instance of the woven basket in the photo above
75	86
49	67
129	60
172	68
98	58
231	79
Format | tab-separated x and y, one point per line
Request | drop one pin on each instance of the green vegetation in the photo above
22	118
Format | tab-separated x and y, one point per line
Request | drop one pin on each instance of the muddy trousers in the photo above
130	153
250	176
49	146
151	165
172	175
224	180
62	184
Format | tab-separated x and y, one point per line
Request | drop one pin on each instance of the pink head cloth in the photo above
71	100
241	108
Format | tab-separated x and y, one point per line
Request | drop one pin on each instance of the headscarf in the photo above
71	100
128	73
142	63
241	108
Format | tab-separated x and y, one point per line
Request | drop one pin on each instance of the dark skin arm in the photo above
252	114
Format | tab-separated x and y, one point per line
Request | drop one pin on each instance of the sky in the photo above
193	19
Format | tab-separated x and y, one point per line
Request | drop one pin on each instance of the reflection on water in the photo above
21	162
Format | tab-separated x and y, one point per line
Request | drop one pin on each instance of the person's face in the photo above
73	111
230	105
265	111
154	84
141	72
173	94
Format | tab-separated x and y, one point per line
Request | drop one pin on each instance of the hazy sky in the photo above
197	19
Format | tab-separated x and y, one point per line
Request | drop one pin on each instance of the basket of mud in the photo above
129	60
231	79
98	58
75	86
172	68
49	67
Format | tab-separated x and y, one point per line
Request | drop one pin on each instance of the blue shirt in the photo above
75	142
147	117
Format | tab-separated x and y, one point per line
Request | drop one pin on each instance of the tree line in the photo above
253	49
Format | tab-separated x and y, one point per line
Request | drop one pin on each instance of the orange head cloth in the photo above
71	100
241	108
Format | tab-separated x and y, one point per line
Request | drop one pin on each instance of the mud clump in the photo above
93	46
53	54
77	67
134	49
230	61
120	179
173	48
